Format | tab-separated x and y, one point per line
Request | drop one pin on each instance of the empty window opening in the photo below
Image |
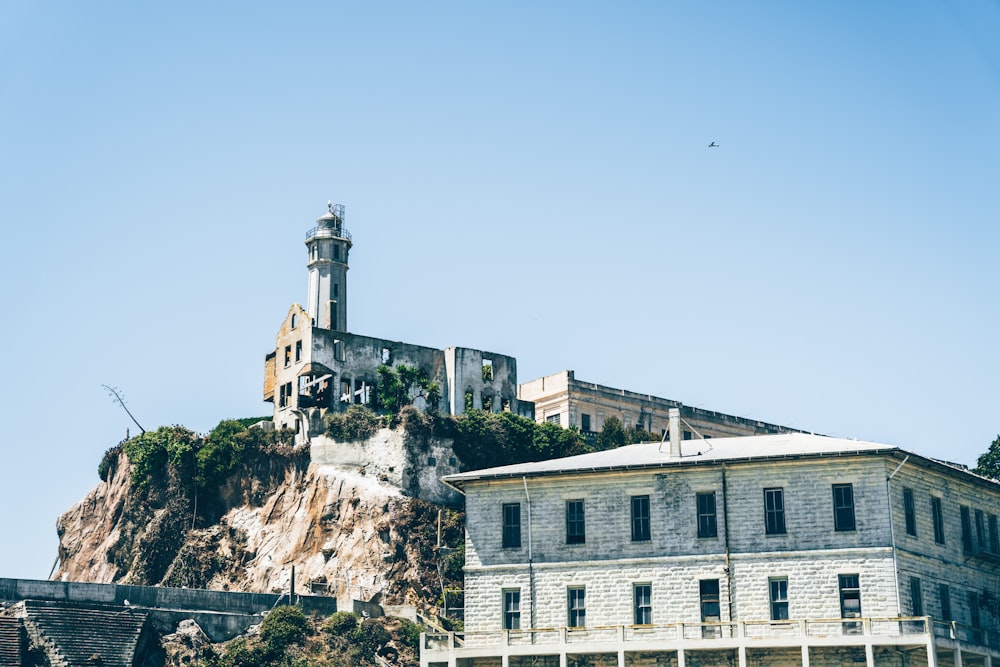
386	355
850	601
505	405
916	597
288	355
298	351
336	290
910	512
779	598
334	324
966	529
336	251
994	536
944	597
640	519
584	422
642	603
488	402
431	461
710	608
294	316
575	522
345	391
981	537
708	525
487	370
937	518
468	399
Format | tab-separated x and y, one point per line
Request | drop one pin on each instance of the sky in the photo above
531	179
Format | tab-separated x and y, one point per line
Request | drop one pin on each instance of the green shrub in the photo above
358	423
109	462
283	626
340	623
368	638
409	633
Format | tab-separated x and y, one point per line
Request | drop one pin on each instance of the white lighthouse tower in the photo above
329	245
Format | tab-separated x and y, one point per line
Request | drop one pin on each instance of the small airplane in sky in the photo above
713	145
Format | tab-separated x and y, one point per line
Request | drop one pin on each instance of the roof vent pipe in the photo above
674	415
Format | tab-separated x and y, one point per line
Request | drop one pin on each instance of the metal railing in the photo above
333	232
918	628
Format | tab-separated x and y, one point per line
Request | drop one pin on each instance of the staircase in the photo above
86	635
11	641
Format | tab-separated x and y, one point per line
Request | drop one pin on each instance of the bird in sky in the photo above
713	145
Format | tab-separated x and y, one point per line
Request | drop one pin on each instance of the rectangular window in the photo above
994	535
576	605
512	610
843	507
850	601
779	598
642	603
575	524
708	525
982	538
512	525
710	609
640	519
288	355
966	529
944	594
916	597
910	512
972	599
298	351
774	511
585	422
937	518
336	290
554	419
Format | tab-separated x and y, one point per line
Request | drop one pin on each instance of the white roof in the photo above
693	452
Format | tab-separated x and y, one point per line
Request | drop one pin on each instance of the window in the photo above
554	419
386	355
937	518
944	594
584	422
850	602
294	320
298	351
487	370
779	598
916	597
512	526
575	524
972	598
336	251
642	603
333	314
774	511
910	512
966	529
336	290
843	507
640	518
707	522
576	605
710	610
512	610
981	538
994	537
431	461
288	355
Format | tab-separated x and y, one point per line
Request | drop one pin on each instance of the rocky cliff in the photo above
347	533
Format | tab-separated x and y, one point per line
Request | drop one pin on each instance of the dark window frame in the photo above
982	538
640	518
916	597
642	604
710	605
708	521
849	586
778	597
774	511
512	609
843	508
944	597
576	607
511	521
965	514
576	522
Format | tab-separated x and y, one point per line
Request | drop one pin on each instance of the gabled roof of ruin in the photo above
652	455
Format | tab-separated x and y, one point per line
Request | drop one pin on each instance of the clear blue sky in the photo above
527	178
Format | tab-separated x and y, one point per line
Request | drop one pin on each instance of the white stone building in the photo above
731	551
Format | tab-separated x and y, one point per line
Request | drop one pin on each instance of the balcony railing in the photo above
332	232
917	629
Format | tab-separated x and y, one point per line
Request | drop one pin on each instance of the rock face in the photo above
348	534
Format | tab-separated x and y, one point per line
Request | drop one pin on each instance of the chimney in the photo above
674	416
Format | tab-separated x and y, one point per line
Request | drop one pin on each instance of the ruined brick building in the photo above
318	366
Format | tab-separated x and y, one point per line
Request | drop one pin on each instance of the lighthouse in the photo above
328	244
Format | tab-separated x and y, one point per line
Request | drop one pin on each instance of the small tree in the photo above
612	434
988	464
